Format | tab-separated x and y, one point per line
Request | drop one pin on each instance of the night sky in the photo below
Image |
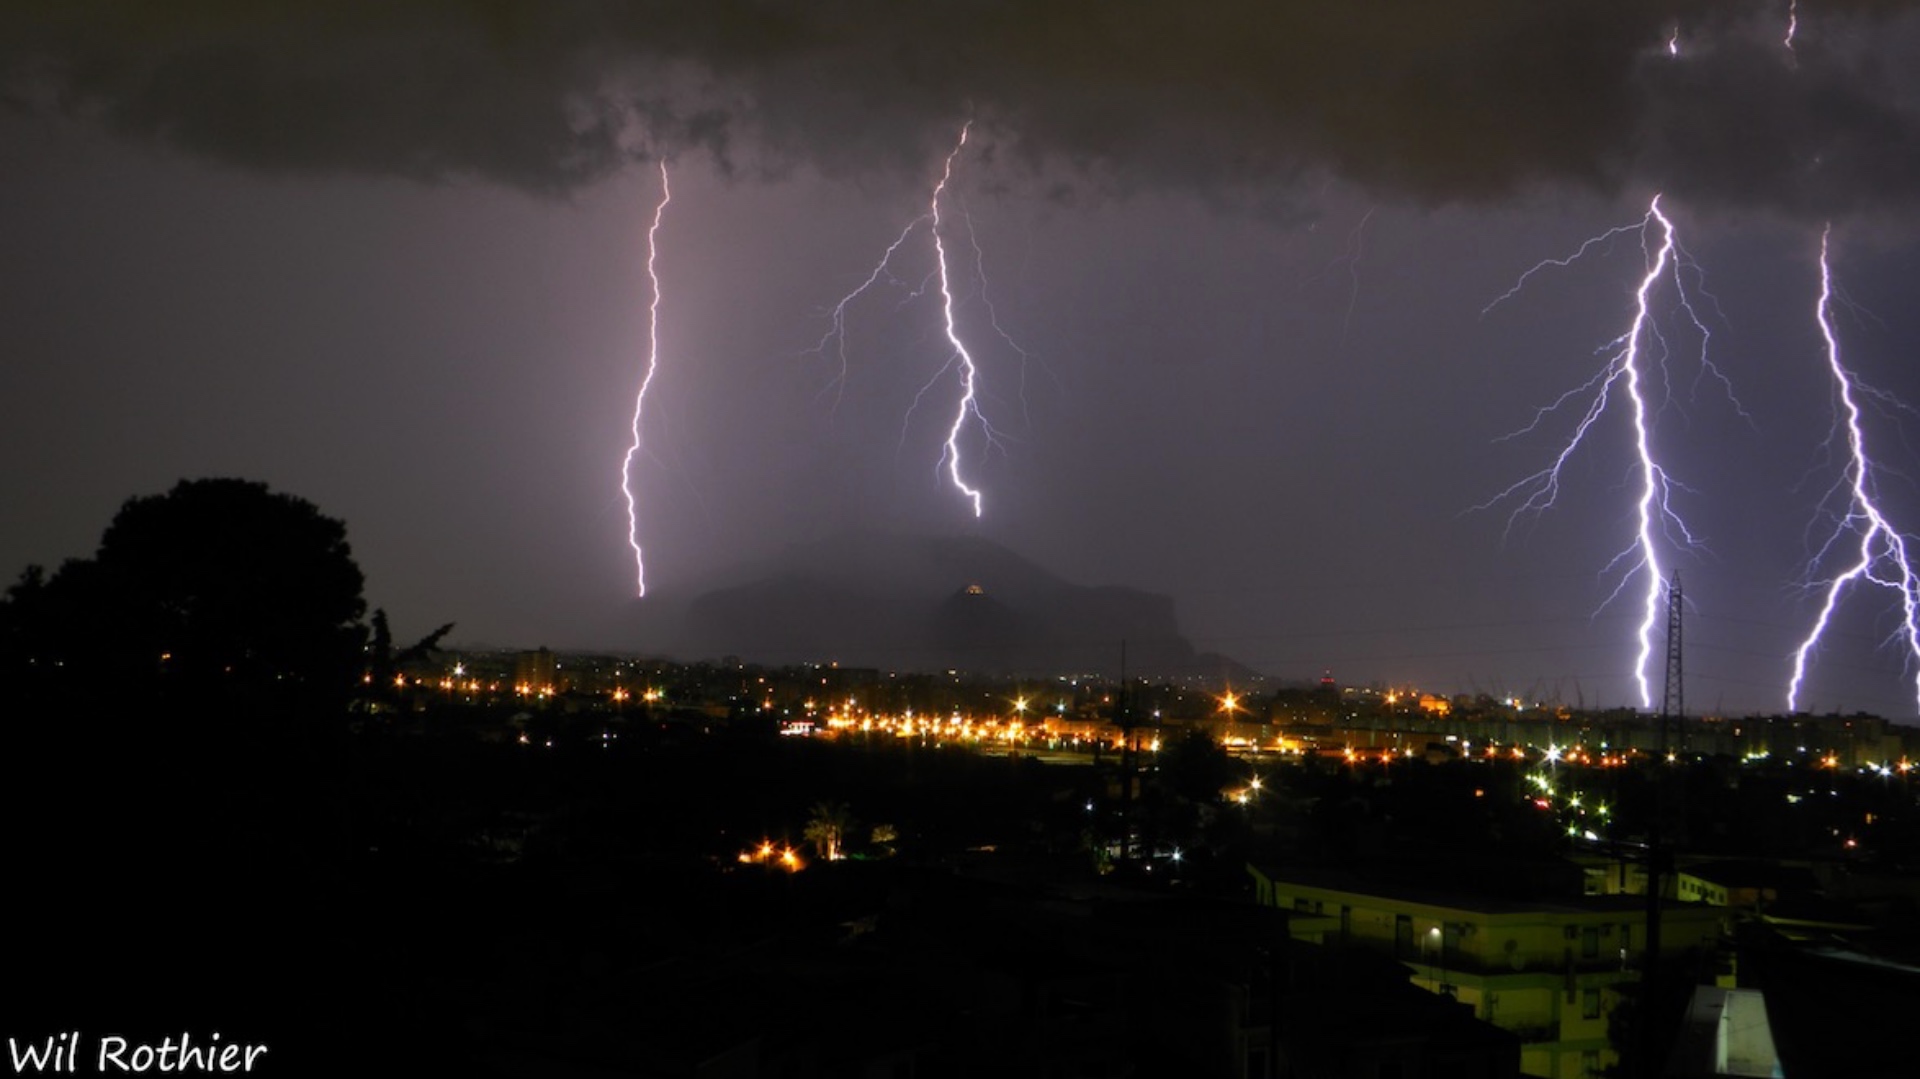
393	259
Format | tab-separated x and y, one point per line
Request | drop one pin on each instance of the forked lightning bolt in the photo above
969	404
967	408
646	380
1880	556
1625	371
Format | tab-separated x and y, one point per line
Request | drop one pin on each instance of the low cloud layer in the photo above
1413	100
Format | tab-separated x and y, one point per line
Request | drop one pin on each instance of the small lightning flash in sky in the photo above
1880	554
646	380
837	320
1349	258
960	358
1626	372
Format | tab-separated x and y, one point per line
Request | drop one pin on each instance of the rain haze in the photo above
1238	283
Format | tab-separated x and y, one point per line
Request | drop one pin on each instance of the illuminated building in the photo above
534	672
1549	971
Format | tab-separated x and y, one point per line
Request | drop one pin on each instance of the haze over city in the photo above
1230	282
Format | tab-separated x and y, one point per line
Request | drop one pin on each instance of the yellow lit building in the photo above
536	673
1609	877
1547	971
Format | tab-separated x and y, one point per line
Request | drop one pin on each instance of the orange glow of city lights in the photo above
767	854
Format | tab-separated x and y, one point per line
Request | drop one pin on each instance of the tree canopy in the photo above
218	592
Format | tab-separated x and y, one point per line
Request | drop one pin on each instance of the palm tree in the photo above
828	827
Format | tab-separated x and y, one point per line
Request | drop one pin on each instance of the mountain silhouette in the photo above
905	602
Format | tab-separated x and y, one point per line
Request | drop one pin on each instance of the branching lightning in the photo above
959	358
837	322
646	380
1624	373
1027	359
1881	554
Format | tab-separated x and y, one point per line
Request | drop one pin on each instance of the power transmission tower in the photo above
1674	702
1659	857
1129	759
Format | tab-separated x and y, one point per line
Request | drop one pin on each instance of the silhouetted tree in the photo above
1195	767
384	661
219	593
23	621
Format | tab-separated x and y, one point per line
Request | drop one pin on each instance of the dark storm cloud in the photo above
1464	100
1838	128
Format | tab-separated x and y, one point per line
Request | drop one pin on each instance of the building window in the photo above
1590	1004
1590	942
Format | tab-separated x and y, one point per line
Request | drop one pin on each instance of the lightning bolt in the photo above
1350	258
1027	359
837	319
1881	555
1356	248
1793	23
969	403
646	380
959	357
1623	374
